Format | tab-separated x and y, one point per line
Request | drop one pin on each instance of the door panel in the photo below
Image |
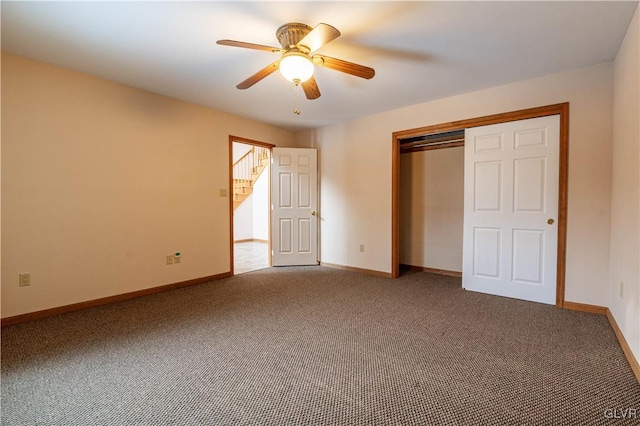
304	233
529	188
511	192
285	236
304	190
488	186
294	210
486	252
528	250
284	189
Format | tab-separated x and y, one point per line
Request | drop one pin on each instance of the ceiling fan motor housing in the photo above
289	35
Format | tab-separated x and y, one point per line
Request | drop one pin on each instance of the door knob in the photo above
313	213
550	221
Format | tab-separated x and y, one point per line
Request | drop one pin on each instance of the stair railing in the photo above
248	164
242	167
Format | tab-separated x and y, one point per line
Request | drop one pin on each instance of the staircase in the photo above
246	171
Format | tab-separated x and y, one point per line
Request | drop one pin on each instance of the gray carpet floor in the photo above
312	345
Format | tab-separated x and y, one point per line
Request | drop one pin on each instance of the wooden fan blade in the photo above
318	37
344	66
253	46
310	88
264	72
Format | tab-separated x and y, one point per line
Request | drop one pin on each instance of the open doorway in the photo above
250	182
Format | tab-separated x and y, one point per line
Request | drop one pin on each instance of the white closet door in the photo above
511	209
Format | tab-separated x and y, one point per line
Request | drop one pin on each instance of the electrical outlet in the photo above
25	280
170	260
361	248
621	289
177	257
223	192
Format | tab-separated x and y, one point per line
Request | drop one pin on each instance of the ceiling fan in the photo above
297	61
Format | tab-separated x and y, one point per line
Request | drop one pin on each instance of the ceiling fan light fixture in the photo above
296	67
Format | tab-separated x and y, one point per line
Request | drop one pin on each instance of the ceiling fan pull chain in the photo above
296	94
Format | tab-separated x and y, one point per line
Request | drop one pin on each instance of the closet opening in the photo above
432	202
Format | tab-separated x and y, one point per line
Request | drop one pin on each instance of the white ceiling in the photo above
420	50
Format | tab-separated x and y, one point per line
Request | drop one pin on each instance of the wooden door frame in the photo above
561	109
245	141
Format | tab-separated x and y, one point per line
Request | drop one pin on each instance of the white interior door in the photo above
511	209
295	201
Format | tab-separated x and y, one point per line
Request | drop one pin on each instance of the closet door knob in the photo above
550	221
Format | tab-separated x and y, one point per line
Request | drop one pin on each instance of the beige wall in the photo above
432	208
101	181
355	172
625	198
